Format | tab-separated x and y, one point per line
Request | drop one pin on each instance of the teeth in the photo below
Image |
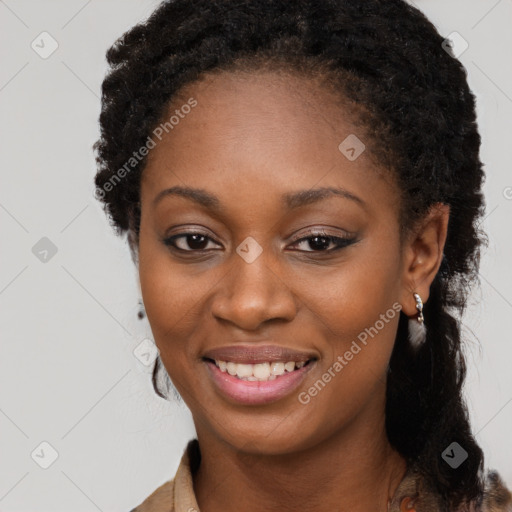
259	372
244	370
277	368
289	367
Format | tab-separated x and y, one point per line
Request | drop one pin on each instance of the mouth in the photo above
252	375
259	372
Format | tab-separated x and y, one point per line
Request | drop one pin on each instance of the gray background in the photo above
68	373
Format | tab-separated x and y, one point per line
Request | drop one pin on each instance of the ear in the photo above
422	256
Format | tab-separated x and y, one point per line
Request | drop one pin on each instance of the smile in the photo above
261	372
257	384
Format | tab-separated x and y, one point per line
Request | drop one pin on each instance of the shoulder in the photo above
497	496
160	500
177	493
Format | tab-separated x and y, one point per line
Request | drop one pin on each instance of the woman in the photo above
300	184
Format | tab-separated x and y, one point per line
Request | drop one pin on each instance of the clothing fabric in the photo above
177	495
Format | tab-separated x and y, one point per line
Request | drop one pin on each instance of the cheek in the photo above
350	297
171	300
356	315
171	296
356	311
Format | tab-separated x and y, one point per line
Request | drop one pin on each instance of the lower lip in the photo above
256	392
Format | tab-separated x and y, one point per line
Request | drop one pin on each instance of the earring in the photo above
417	328
142	312
161	381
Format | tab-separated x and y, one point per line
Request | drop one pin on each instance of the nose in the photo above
253	293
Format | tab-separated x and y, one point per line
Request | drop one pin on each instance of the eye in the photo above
317	241
320	241
194	240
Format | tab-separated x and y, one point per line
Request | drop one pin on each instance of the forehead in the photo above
261	131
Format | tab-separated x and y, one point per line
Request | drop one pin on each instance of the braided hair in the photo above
386	60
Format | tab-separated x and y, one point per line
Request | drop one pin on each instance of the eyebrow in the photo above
292	200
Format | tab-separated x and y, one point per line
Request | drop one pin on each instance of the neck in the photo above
354	470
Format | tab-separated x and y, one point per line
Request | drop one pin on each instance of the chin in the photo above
257	433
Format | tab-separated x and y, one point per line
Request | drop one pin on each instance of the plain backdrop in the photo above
73	395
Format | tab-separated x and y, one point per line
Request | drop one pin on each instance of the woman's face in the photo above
253	266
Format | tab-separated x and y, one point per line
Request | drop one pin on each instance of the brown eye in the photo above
191	242
321	241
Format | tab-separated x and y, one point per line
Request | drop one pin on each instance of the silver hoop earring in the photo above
417	328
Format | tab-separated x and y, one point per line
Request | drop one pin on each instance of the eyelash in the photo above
340	242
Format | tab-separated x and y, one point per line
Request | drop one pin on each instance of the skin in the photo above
251	138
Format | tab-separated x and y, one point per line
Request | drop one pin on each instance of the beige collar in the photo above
178	495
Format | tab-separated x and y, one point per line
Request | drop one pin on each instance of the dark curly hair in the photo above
387	61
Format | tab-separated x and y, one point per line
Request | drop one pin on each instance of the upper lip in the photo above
250	354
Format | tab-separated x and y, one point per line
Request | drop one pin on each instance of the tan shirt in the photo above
178	495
